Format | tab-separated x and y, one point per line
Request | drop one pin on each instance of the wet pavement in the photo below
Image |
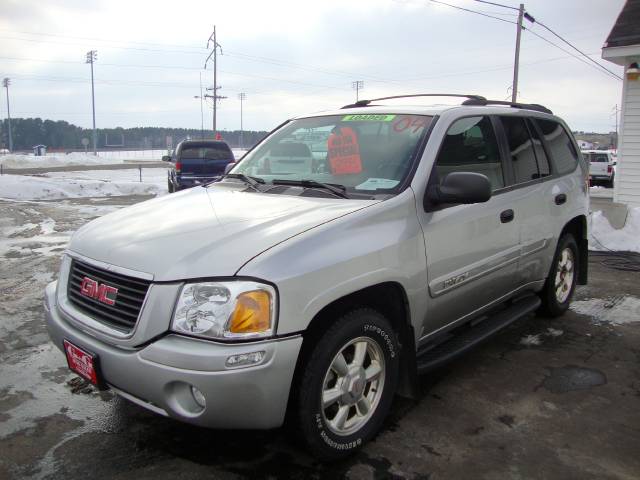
542	399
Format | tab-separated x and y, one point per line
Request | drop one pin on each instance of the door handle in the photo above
561	198
506	216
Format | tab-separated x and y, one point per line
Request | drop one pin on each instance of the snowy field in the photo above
124	182
85	184
16	161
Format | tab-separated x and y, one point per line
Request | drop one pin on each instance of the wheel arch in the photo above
577	227
389	299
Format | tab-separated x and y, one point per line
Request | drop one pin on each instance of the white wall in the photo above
627	182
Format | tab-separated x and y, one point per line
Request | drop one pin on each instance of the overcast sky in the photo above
293	57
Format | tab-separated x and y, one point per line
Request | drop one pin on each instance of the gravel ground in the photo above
542	399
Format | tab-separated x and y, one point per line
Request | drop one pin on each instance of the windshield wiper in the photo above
253	182
336	189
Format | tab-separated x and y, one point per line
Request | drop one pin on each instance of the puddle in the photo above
618	310
538	338
571	378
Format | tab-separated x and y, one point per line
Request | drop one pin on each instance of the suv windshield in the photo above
367	154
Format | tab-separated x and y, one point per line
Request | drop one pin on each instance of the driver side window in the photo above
470	145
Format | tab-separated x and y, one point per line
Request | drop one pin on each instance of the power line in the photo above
497	4
533	20
607	72
471	11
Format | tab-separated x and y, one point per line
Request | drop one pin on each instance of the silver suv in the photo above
344	255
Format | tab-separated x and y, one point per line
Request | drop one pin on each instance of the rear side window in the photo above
521	149
562	150
470	145
541	156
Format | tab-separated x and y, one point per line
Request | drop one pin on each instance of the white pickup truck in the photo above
602	165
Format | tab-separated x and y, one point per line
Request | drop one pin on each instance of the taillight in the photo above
178	167
609	169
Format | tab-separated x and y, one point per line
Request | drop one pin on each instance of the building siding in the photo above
627	183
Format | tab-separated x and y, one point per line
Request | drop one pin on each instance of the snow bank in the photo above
21	187
54	160
602	236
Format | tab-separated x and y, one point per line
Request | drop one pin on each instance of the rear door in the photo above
536	190
472	250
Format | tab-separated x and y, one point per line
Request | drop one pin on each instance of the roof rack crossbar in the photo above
364	103
527	106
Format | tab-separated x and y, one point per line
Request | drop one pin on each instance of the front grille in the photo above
123	314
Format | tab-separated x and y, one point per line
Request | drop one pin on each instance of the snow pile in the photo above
602	236
21	187
54	160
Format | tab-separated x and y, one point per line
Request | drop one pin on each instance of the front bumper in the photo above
159	376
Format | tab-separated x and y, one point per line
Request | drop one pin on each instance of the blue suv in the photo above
196	162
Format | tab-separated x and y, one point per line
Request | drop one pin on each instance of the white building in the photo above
623	48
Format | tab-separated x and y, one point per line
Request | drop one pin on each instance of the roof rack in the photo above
365	103
471	100
527	106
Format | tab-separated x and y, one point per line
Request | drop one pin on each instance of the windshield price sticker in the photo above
414	123
368	118
344	152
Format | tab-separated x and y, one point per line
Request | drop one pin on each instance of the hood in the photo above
203	232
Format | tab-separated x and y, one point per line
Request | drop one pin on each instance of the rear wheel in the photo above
561	282
170	187
348	384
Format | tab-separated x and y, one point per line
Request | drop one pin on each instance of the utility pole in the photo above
357	86
92	56
5	83
215	88
616	110
241	96
516	62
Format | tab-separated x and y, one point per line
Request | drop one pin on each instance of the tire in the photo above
611	181
558	290
170	187
331	370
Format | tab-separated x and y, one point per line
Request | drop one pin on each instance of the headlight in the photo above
225	310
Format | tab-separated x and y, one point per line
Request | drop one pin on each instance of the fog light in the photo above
198	397
244	359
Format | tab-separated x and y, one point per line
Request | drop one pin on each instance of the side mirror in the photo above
461	187
166	158
229	167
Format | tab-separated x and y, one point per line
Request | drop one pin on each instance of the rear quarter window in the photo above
563	153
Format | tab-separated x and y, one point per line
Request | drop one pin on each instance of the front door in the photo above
472	250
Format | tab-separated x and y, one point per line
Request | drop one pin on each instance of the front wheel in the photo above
561	282
348	384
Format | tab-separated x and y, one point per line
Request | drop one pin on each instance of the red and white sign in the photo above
100	291
80	362
344	152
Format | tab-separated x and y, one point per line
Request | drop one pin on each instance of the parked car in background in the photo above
602	166
196	162
345	254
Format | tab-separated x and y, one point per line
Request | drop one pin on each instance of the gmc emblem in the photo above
101	292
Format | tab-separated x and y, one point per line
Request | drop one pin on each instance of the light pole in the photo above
242	97
5	83
357	86
92	56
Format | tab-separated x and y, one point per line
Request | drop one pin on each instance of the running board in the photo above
472	336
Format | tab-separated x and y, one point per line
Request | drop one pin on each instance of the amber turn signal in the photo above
252	313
